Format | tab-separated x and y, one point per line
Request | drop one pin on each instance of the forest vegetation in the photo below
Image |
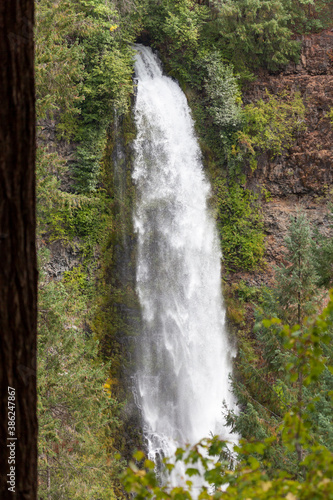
283	375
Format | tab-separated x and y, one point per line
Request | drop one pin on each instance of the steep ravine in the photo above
301	176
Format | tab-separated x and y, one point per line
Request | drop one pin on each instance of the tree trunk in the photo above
18	271
48	477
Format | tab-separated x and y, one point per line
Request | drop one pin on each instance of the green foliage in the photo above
198	46
175	27
83	73
85	229
78	281
270	125
241	225
284	368
252	475
182	25
78	452
248	293
235	308
246	33
323	250
77	418
223	93
58	63
77	220
238	295
310	15
108	62
89	155
253	33
107	85
296	282
48	165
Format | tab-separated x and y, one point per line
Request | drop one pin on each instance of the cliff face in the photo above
302	176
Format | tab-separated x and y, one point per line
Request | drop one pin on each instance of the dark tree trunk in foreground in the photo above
18	274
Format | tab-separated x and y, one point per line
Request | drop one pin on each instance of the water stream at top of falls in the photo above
183	353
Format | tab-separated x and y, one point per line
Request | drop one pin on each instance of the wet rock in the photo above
62	258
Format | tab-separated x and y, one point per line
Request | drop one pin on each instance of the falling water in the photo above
183	353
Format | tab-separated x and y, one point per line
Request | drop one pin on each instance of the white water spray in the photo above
184	357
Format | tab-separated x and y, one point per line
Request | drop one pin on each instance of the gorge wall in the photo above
302	175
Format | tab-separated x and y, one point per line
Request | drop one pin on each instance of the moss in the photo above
128	129
117	319
235	313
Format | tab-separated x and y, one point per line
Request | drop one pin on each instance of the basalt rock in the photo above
301	176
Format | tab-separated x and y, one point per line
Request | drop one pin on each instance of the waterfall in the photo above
183	354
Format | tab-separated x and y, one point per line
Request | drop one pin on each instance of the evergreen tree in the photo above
324	257
297	280
256	33
297	293
270	373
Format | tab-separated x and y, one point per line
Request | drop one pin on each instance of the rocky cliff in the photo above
301	176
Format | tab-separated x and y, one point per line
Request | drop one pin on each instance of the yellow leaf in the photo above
324	482
266	485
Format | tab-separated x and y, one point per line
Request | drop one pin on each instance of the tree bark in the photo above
18	270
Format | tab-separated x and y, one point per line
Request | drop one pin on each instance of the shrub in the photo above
241	226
